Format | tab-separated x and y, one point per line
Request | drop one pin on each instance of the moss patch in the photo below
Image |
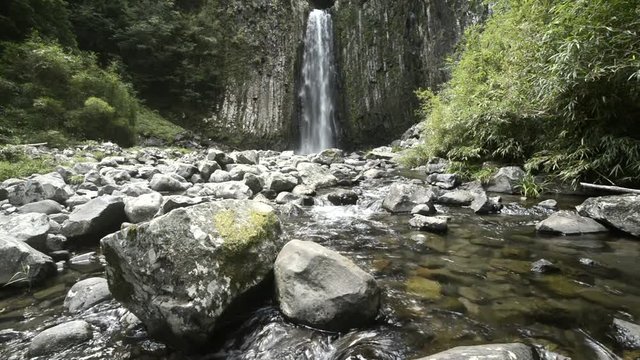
240	234
425	288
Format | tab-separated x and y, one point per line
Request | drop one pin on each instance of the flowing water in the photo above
317	127
485	291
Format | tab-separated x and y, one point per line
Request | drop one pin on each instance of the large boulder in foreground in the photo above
323	289
621	212
486	352
20	263
569	223
402	198
179	272
97	217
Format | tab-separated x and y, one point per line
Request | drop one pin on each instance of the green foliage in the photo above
48	88
151	124
553	84
50	18
529	187
14	163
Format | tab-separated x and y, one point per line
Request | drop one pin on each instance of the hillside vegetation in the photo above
554	85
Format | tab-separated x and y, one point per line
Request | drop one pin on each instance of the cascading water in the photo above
317	126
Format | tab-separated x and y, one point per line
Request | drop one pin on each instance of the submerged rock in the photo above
86	293
486	352
569	223
627	334
402	198
180	272
60	337
621	212
321	288
20	263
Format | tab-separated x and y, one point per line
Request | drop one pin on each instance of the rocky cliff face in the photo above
384	49
388	49
256	108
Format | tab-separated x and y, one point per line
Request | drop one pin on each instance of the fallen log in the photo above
616	189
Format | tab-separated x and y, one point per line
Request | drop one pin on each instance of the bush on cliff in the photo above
553	84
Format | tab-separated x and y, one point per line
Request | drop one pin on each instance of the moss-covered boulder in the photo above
181	273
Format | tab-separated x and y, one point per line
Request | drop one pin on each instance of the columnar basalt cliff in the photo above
388	49
384	50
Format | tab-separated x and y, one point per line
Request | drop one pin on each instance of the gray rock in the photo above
373	174
168	182
315	175
179	272
544	266
60	337
220	157
147	172
220	176
437	165
424	209
87	263
627	334
381	153
254	182
112	176
486	352
143	207
20	263
179	201
43	207
549	204
506	180
95	218
40	187
185	171
329	156
343	197
248	157
569	223
456	198
279	182
286	197
622	212
86	293
318	287
135	189
55	242
402	198
429	223
228	190
32	228
444	181
303	190
206	168
482	204
77	200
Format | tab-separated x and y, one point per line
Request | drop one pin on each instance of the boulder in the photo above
97	217
181	271
39	187
60	337
506	180
456	198
486	352
220	157
627	334
248	157
318	287
206	168
569	223
429	223
424	209
482	204
254	182
622	212
143	207
86	293
444	181
279	182
185	171
43	207
343	197
135	189
549	204
32	228
20	263
179	201
219	176
169	182
402	198
329	156
315	175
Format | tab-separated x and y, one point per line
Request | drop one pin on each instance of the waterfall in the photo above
318	125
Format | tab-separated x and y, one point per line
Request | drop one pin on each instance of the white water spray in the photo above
317	127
